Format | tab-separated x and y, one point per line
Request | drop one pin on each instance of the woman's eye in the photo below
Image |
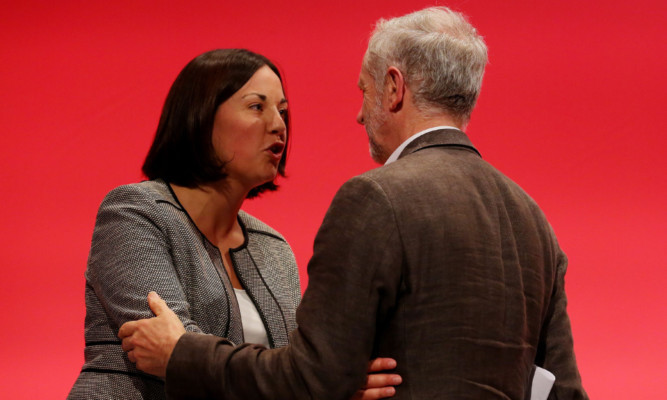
283	113
257	107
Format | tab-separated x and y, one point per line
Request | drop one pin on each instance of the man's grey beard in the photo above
374	122
378	154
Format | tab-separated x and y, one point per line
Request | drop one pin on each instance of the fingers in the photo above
379	385
381	364
127	344
372	394
127	329
376	381
157	305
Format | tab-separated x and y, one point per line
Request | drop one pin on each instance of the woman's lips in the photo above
276	149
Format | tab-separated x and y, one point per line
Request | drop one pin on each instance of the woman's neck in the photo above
214	209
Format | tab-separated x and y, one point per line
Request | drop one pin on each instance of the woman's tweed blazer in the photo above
144	240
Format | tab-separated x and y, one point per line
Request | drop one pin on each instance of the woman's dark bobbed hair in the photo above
182	151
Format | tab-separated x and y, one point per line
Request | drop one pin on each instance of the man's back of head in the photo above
441	56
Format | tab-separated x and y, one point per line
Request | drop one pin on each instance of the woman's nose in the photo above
278	125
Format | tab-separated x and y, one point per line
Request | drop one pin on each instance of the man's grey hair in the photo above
441	56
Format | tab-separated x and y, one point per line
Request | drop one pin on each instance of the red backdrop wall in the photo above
571	108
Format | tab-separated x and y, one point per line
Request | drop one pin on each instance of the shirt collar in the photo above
394	156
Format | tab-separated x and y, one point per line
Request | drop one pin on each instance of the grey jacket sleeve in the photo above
354	278
130	256
556	348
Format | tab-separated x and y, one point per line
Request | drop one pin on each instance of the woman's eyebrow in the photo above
263	97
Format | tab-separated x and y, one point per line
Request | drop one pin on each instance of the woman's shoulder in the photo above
254	225
141	192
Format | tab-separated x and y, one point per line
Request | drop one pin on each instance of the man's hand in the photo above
379	386
150	342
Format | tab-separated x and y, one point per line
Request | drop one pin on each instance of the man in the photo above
436	259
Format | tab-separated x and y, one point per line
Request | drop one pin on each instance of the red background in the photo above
571	109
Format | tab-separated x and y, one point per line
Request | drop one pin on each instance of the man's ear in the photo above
395	88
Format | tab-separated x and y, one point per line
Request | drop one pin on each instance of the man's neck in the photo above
421	123
397	152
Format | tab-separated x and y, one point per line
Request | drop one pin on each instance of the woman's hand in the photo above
379	386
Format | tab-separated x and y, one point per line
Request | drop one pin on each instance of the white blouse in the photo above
253	327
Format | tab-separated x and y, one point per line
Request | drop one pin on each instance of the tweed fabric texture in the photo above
110	385
437	260
144	240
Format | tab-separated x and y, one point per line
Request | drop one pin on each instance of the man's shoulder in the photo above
376	185
410	167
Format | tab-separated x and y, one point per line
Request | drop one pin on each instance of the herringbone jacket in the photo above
144	240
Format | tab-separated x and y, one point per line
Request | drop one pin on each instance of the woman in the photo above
222	138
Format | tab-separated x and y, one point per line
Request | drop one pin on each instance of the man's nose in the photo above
360	116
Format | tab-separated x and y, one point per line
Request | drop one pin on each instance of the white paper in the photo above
543	380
